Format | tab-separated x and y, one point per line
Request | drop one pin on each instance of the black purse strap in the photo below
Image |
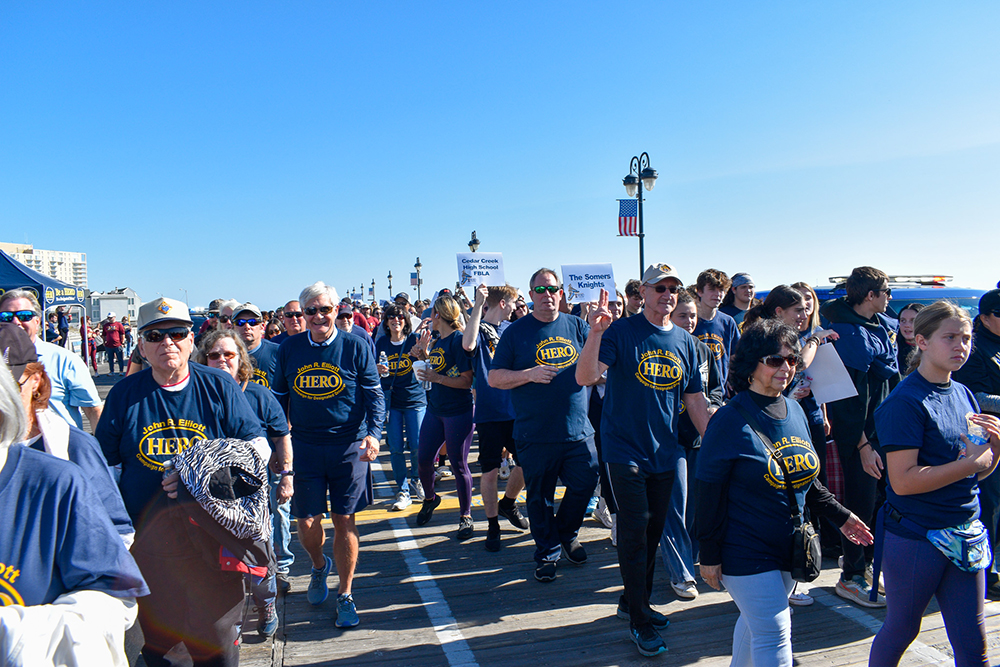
793	504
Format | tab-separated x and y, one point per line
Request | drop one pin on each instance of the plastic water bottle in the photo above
383	361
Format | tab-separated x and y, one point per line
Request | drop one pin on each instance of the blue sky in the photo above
247	149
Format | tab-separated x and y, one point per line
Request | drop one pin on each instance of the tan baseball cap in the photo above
162	310
247	308
657	272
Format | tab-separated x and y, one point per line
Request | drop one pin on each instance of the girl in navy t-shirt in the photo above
449	410
933	471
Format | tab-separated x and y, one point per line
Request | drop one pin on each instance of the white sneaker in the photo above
402	501
504	472
602	513
798	599
417	490
686	590
443	472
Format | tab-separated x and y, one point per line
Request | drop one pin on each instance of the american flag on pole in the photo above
413	279
371	291
627	221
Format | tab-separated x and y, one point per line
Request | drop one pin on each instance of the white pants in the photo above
763	633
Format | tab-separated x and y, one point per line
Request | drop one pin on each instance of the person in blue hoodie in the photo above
867	346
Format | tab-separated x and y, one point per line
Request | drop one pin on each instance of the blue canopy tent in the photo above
49	291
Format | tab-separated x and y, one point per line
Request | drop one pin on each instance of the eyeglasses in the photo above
887	290
228	354
673	289
542	289
253	321
224	318
312	310
776	360
21	315
293	314
345	316
395	317
176	334
212	316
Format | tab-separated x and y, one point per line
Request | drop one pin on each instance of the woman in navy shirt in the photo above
743	519
934	471
449	410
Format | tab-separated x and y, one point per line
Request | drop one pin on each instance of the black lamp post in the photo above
417	266
390	285
474	242
639	170
373	291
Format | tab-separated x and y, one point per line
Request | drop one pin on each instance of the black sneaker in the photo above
546	571
656	619
993	592
513	514
574	552
647	640
493	539
282	583
465	528
267	620
427	510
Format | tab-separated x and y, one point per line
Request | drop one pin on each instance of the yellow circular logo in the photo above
163	442
557	352
400	364
436	359
659	369
9	595
800	461
50	295
318	383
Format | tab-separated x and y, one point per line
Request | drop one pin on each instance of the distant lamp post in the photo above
474	242
390	285
418	266
639	170
373	289
181	289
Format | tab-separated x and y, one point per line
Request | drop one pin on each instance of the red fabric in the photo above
113	333
834	471
360	320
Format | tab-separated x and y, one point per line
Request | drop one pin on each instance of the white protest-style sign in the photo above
480	268
583	282
828	378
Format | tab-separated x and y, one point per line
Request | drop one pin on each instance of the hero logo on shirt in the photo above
557	352
800	461
659	369
436	359
162	441
399	364
8	594
318	381
715	344
260	377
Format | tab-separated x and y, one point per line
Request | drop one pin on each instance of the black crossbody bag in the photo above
807	554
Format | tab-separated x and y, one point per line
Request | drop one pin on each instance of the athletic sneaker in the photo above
465	528
574	552
513	514
686	590
347	613
591	506
856	590
417	490
443	472
402	502
546	571
318	590
427	510
656	619
267	620
647	640
602	513
870	574
800	599
492	539
504	472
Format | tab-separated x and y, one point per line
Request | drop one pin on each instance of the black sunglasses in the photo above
176	334
887	290
542	289
325	310
776	360
21	315
673	289
292	313
212	316
253	321
224	318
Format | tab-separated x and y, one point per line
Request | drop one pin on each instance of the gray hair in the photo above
22	294
13	421
316	290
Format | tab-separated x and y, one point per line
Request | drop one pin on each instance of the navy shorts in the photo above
336	471
493	437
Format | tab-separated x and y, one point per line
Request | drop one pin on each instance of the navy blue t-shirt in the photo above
758	534
447	357
268	410
736	313
144	425
492	405
401	387
330	390
55	536
649	371
929	418
264	357
721	335
554	412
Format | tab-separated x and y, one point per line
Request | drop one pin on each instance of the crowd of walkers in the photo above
684	413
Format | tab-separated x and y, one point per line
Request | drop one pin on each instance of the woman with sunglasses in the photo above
405	402
449	410
743	519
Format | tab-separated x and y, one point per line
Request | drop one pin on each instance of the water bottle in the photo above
383	361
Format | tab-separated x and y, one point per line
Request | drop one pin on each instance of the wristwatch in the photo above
287	473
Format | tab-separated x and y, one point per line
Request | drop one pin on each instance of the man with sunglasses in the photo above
150	417
294	320
653	376
327	383
347	323
536	359
249	324
867	346
72	386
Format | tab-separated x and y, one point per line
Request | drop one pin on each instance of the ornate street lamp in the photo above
639	171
